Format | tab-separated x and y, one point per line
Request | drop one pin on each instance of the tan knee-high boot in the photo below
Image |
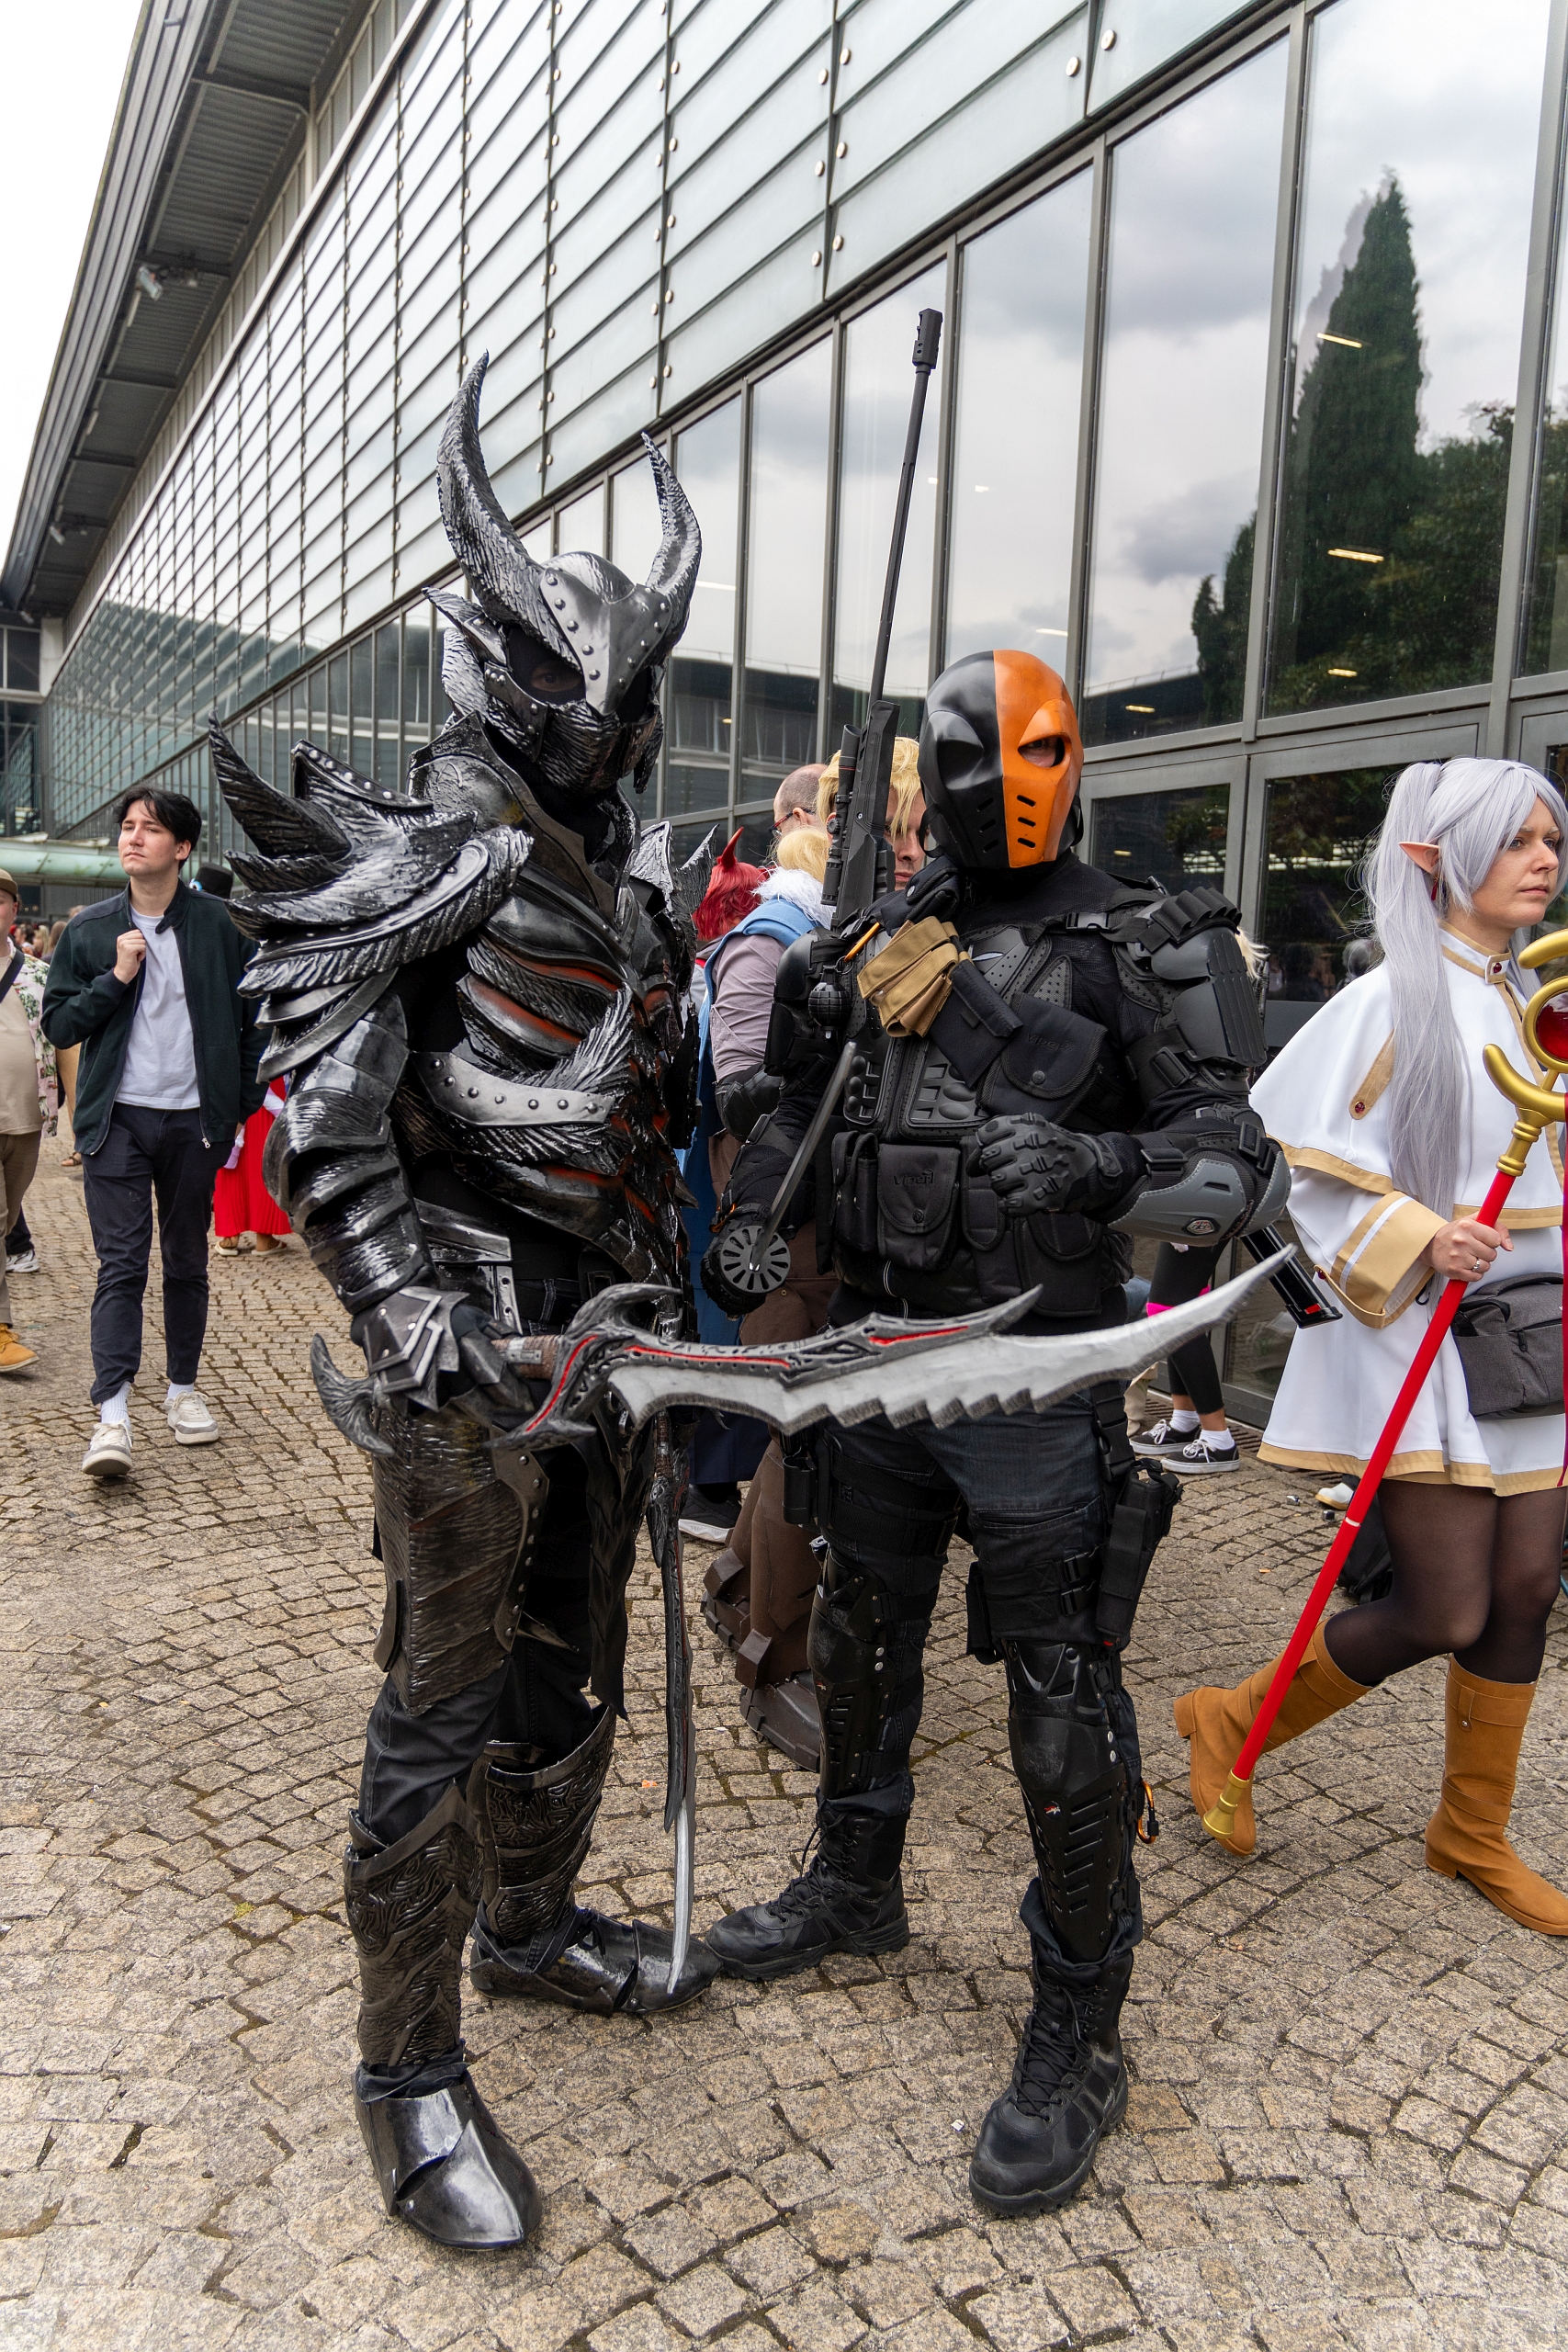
1216	1723
1485	1726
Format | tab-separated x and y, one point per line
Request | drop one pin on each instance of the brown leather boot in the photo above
14	1355
1485	1724
1216	1723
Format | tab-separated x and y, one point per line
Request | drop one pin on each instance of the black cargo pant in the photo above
888	1501
148	1156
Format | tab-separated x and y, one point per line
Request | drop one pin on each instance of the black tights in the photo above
1472	1574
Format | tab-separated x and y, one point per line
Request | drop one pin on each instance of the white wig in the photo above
1471	809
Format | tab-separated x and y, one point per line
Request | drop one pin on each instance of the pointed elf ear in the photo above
1425	855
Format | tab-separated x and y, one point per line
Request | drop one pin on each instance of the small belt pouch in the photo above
917	1193
1509	1336
854	1193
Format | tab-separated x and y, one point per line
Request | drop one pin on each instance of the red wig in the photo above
734	888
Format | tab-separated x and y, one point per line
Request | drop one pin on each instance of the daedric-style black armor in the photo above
481	994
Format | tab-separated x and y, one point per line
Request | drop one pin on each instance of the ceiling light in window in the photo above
1346	342
1143	709
1356	555
1341	673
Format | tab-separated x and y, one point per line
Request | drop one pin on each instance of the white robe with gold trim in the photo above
1324	1101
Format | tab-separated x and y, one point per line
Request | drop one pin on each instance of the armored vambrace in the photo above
331	1162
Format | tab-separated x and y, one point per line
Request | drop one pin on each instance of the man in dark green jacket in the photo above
147	985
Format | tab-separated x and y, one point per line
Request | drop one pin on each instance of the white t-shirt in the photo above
160	1054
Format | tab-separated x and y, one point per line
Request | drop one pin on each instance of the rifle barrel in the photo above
927	339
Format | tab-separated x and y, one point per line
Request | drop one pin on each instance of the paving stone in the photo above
1349	2118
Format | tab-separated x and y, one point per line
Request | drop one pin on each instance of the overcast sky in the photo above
61	69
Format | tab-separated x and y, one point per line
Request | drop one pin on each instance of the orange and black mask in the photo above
1000	759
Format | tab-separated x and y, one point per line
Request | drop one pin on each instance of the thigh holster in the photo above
850	1652
535	1822
1073	1771
410	1908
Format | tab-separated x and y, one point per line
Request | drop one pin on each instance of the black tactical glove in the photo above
936	889
1034	1165
744	1102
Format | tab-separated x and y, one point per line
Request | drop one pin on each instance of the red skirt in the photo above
241	1202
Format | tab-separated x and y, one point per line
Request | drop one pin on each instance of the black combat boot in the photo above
441	2162
531	1938
851	1899
1069	2087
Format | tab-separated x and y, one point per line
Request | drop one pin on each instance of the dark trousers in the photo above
145	1156
1031	1483
533	1699
1182	1275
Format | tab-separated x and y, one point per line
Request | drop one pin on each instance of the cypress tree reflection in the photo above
1389	553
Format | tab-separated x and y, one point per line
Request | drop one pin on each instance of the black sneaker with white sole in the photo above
1206	1452
1162	1440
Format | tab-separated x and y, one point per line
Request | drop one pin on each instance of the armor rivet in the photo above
592	675
501	1097
571	625
533	1101
550	579
473	1094
563	1102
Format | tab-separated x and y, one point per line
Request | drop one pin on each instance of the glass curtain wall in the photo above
1024	289
786	537
700	705
1418	168
1189	277
276	567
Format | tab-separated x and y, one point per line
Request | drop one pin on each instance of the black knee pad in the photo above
1074	1771
864	1650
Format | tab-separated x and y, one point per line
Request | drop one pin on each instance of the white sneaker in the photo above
108	1451
191	1422
24	1263
1337	1498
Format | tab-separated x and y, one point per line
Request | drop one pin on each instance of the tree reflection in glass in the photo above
787	525
1172	838
1190	269
1410	270
1318	832
1016	437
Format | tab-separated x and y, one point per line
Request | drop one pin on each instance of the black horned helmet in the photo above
562	660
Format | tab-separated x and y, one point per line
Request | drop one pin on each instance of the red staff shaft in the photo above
1222	1815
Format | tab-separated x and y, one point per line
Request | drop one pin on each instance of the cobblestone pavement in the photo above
1350	2095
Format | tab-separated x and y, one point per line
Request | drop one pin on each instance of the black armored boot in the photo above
852	1898
1069	2087
865	1654
531	1939
443	2163
1073	1740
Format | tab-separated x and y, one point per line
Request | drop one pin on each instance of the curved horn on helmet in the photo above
675	573
482	539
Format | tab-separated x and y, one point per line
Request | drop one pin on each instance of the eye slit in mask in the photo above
1044	751
541	672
